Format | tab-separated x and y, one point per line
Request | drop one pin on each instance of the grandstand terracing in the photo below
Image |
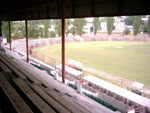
36	44
26	89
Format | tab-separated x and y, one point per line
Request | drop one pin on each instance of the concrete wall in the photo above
117	38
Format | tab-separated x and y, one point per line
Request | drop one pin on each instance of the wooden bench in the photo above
71	101
19	70
52	102
63	102
5	68
58	98
12	68
0	111
16	101
33	97
28	71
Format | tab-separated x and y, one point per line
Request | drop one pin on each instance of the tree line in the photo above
137	24
40	28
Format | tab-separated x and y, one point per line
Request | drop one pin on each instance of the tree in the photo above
17	29
73	29
52	34
110	24
129	20
68	24
5	30
18	35
57	24
41	32
96	23
78	25
33	31
126	31
46	26
23	29
136	24
148	26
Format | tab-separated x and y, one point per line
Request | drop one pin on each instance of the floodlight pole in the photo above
9	35
27	49
63	41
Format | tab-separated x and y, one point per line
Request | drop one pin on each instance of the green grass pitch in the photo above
130	60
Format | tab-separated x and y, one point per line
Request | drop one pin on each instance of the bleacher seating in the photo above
26	89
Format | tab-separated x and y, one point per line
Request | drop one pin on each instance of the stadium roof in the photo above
51	9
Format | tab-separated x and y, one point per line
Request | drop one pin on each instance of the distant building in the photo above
41	26
145	19
49	29
103	27
130	27
119	25
88	28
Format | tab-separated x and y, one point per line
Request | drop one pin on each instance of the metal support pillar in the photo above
63	41
9	35
27	48
0	33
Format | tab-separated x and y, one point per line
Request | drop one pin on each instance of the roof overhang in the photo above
51	9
